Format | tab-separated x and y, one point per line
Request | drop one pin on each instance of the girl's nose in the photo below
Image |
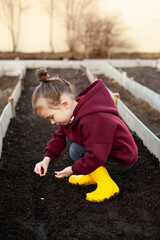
52	121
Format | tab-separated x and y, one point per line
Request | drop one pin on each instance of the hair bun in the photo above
42	74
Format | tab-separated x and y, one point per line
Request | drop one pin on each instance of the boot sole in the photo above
103	200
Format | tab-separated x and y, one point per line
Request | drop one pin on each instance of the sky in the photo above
141	17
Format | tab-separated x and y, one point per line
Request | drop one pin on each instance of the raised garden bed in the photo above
7	84
147	76
149	116
50	208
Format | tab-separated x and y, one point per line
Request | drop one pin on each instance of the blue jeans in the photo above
77	151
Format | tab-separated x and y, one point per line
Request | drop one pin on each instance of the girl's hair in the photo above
51	89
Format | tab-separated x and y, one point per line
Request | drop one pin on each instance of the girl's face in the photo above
60	114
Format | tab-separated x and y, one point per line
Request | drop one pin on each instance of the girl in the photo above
89	123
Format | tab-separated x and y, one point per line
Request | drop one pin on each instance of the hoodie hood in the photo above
91	100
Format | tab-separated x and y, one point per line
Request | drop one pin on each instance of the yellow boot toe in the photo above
100	194
81	180
106	187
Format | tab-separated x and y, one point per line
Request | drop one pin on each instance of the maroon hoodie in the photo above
97	127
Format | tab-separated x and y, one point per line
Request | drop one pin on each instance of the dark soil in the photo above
147	76
149	116
34	208
7	84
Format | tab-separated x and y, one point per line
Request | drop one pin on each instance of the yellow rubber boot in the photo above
81	179
106	187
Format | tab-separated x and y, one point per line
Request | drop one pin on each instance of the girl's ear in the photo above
65	104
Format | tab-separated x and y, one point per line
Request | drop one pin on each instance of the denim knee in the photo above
76	151
112	164
72	152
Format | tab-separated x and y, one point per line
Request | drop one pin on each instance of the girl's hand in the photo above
64	173
41	167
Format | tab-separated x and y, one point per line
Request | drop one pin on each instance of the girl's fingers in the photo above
41	168
60	174
38	170
44	171
57	174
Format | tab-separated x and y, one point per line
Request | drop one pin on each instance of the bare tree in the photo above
74	12
102	36
113	38
50	6
10	16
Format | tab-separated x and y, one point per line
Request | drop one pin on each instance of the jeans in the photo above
77	151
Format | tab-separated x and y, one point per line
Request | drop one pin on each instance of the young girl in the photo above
89	124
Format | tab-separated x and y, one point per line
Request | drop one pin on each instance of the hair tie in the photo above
43	75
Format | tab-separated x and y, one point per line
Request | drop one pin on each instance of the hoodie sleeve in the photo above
56	145
98	143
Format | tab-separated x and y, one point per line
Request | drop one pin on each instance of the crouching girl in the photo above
98	139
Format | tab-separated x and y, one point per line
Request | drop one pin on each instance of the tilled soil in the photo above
147	76
40	208
7	84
